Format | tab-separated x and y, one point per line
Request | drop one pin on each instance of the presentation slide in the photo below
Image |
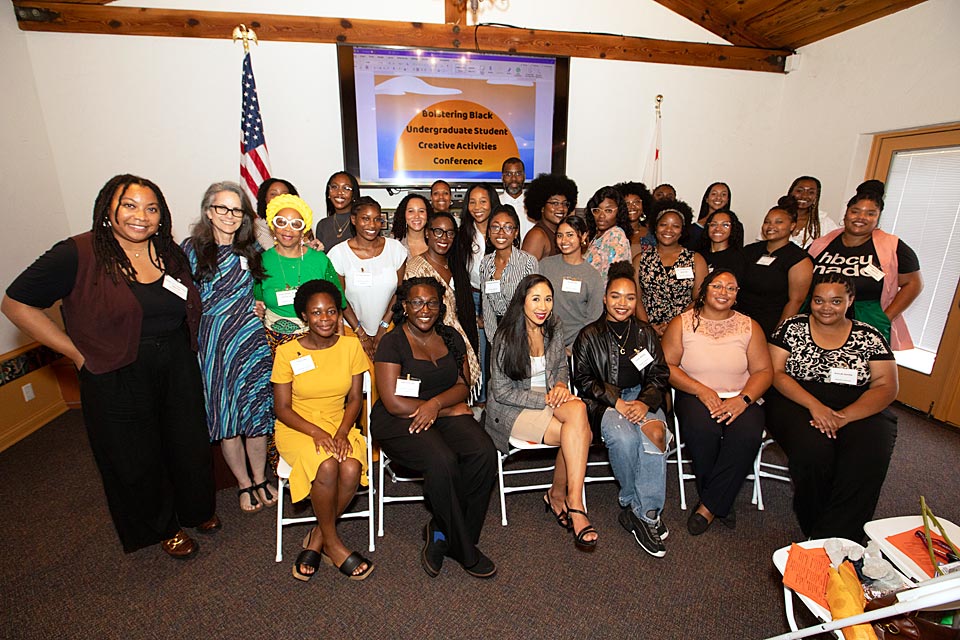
423	115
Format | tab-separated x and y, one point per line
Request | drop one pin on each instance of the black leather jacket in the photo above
596	364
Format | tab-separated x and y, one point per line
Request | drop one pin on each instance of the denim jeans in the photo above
482	356
638	464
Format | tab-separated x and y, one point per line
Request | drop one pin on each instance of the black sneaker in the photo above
662	530
644	533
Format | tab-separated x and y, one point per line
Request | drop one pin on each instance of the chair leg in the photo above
503	501
280	484
383	460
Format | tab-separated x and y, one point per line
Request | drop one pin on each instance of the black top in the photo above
434	379
764	289
627	375
51	277
730	258
838	257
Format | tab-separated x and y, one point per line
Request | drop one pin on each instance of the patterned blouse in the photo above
664	294
612	246
418	266
519	265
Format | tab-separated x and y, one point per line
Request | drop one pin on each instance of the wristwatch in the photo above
746	399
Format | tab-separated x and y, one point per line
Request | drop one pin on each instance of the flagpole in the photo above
652	172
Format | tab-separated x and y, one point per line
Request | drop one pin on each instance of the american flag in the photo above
254	157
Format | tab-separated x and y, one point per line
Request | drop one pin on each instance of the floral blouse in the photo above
612	246
665	295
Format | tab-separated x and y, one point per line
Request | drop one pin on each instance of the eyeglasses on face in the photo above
440	233
633	204
719	225
502	228
416	304
558	204
597	211
282	223
730	288
222	210
340	187
512	174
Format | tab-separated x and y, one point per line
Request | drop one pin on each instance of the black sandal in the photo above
307	558
254	503
578	540
354	560
563	518
268	498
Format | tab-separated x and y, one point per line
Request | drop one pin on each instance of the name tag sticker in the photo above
363	279
684	273
408	387
285	297
642	359
491	286
243	263
174	286
766	261
570	285
302	365
843	376
873	271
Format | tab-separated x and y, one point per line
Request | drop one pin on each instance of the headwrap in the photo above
290	201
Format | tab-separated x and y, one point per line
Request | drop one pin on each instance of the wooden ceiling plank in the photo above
73	18
453	11
841	21
717	22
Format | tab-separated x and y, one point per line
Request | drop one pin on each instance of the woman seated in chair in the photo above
621	375
422	422
529	399
719	365
835	379
317	394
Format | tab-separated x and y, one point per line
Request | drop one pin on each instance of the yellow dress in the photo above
319	396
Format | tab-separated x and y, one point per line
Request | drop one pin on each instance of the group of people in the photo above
554	327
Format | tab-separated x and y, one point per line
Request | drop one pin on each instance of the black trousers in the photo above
722	455
147	427
459	466
837	482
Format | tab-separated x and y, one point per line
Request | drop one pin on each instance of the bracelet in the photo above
384	324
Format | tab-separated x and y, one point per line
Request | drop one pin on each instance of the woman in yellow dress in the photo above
317	393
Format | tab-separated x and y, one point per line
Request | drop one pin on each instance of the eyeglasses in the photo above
558	204
339	187
416	304
512	174
222	210
282	223
633	204
440	233
730	288
719	225
597	211
502	228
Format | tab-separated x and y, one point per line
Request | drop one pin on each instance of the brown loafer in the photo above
180	546
210	526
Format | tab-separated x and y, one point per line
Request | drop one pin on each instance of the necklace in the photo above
436	265
340	229
622	339
283	270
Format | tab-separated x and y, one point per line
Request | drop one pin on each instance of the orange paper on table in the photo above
915	548
806	573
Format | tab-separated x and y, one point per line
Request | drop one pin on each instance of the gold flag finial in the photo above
241	32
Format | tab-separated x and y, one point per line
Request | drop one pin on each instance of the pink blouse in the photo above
716	353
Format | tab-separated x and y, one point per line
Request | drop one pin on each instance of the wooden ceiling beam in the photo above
76	18
713	20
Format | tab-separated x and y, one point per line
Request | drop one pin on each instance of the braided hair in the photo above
447	334
812	228
110	256
834	277
701	299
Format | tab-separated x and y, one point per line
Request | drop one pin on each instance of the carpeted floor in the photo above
63	574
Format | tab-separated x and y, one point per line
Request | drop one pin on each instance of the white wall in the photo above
33	214
168	109
899	72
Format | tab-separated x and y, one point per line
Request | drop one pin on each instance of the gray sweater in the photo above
576	310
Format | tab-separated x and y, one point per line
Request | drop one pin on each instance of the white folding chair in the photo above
675	454
283	476
763	469
384	468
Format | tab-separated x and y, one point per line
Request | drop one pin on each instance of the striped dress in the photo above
234	356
